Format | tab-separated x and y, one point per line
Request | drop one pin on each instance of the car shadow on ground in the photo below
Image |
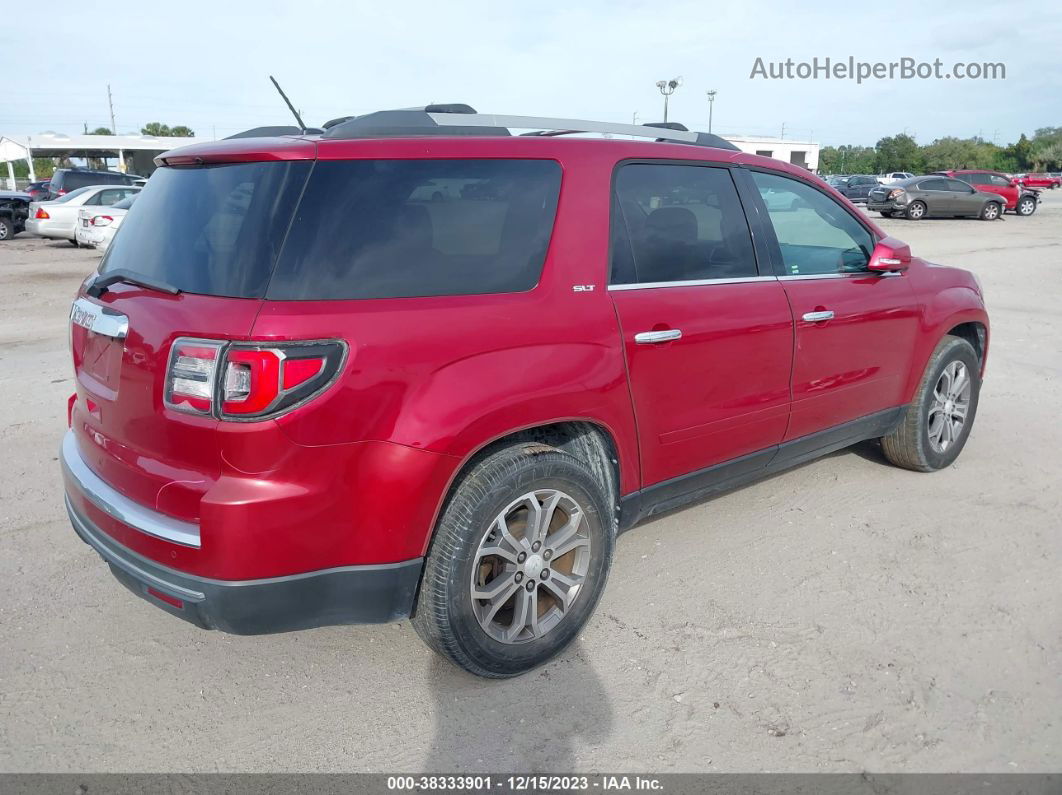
535	723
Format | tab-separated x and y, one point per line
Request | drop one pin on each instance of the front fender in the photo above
943	310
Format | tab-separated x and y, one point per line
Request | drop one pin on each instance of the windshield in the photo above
72	195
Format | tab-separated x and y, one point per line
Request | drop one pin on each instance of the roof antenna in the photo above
291	107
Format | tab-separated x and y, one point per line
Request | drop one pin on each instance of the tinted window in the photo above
213	230
976	179
933	184
815	234
403	228
959	185
678	223
1002	182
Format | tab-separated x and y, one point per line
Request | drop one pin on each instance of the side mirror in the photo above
889	256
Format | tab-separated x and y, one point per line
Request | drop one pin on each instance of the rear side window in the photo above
933	184
214	230
405	228
673	223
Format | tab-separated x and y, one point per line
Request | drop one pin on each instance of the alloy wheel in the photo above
530	566
991	212
949	407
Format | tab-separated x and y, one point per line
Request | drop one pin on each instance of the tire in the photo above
991	212
450	620
886	213
912	444
916	210
1026	206
7	228
74	243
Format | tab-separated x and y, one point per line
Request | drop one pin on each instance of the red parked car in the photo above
416	366
1018	198
1039	181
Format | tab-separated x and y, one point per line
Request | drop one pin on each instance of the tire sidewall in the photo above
954	349
920	215
988	208
1026	202
545	471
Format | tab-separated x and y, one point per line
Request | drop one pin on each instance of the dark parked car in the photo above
37	190
934	197
307	394
14	208
65	180
856	188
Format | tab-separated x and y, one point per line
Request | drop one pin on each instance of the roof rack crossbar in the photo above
560	125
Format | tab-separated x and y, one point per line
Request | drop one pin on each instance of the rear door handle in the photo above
656	337
818	317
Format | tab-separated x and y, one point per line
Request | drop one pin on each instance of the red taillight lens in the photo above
246	381
192	374
102	220
42	214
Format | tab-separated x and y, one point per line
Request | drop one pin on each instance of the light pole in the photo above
711	107
667	88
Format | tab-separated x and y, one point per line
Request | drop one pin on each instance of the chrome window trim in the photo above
118	506
691	283
859	275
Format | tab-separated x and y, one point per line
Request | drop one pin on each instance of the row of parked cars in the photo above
81	205
956	193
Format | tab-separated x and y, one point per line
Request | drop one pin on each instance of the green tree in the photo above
1022	152
898	153
846	159
102	131
156	128
180	131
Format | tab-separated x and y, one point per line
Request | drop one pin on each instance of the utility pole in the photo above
110	103
667	88
634	118
782	136
711	106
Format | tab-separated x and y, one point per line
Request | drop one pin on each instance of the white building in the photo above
799	153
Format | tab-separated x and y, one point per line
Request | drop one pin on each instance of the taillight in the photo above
191	375
245	381
102	220
42	214
895	192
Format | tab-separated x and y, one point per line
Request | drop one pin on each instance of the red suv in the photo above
1040	181
415	366
1019	198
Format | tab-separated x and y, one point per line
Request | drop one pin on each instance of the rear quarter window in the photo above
408	228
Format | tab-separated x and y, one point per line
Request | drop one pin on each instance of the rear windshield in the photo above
214	230
360	229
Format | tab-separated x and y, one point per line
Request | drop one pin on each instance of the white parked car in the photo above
96	225
58	218
894	176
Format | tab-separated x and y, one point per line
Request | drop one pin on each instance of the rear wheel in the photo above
991	211
7	228
1026	206
886	213
938	422
518	563
916	210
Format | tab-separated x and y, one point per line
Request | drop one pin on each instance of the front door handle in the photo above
656	337
818	317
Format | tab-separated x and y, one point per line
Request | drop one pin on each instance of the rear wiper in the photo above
104	280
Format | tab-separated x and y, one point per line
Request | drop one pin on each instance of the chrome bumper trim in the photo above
117	505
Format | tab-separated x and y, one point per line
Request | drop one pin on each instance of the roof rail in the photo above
545	126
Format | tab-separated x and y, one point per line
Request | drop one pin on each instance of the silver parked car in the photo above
934	196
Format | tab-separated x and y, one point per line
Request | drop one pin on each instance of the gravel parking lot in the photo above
843	616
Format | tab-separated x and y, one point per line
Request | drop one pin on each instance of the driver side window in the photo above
816	235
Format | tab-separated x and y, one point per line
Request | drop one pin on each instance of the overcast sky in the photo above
206	64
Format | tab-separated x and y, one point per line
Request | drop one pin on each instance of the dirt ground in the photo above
843	616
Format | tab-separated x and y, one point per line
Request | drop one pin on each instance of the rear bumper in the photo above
363	594
50	228
347	595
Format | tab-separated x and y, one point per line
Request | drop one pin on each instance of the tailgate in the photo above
160	458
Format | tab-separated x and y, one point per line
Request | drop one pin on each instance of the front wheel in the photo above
938	421
7	228
916	211
991	211
1026	206
519	560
